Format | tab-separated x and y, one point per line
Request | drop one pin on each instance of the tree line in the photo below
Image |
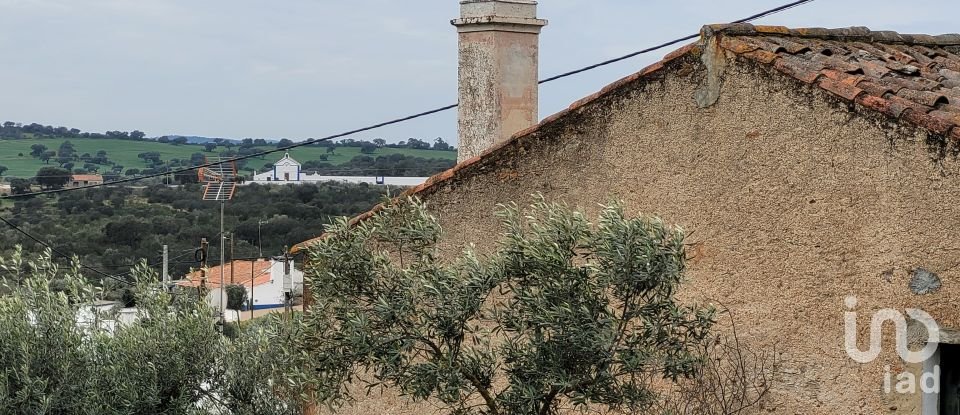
111	228
13	130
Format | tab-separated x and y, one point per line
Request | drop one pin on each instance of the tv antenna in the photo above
219	184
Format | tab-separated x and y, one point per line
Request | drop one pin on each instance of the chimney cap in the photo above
503	15
526	9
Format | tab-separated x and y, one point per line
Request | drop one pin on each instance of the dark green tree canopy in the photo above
52	177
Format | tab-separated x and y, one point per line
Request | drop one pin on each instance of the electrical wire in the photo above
355	131
672	42
401	119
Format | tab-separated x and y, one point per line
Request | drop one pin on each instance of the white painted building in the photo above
106	315
268	278
288	171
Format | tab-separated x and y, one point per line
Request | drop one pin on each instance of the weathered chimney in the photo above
499	48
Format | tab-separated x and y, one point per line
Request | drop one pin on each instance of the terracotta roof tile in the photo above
839	88
952	64
927	98
955	134
762	56
931	123
876	89
951	117
772	29
908	77
241	274
737	45
803	70
908	103
913	79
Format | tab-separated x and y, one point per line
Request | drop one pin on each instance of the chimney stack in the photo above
499	48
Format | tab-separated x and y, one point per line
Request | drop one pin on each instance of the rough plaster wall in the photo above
497	88
518	89
479	103
794	202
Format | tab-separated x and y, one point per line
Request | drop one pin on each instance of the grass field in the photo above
125	153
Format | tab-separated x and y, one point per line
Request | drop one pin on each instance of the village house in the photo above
815	169
268	282
80	180
288	171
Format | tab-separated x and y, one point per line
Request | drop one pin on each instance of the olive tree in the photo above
59	354
564	312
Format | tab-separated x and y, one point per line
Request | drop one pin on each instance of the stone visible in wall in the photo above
924	282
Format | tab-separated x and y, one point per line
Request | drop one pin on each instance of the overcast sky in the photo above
307	68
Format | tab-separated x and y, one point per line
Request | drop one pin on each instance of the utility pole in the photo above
166	268
223	292
203	267
252	266
220	184
287	281
259	238
231	257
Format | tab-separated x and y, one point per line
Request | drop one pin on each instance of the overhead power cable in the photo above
58	252
401	119
672	42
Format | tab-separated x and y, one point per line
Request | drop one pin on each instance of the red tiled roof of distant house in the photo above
241	274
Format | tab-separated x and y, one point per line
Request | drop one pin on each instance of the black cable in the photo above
54	250
156	261
672	42
774	10
159	262
402	119
359	130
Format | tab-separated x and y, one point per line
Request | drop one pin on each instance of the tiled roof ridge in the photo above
915	83
857	33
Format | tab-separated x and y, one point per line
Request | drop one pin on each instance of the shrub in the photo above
59	355
236	296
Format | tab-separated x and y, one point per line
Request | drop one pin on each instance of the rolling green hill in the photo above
124	152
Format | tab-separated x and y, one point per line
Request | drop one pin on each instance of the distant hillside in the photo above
124	155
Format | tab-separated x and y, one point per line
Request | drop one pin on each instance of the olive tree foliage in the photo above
565	313
58	355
